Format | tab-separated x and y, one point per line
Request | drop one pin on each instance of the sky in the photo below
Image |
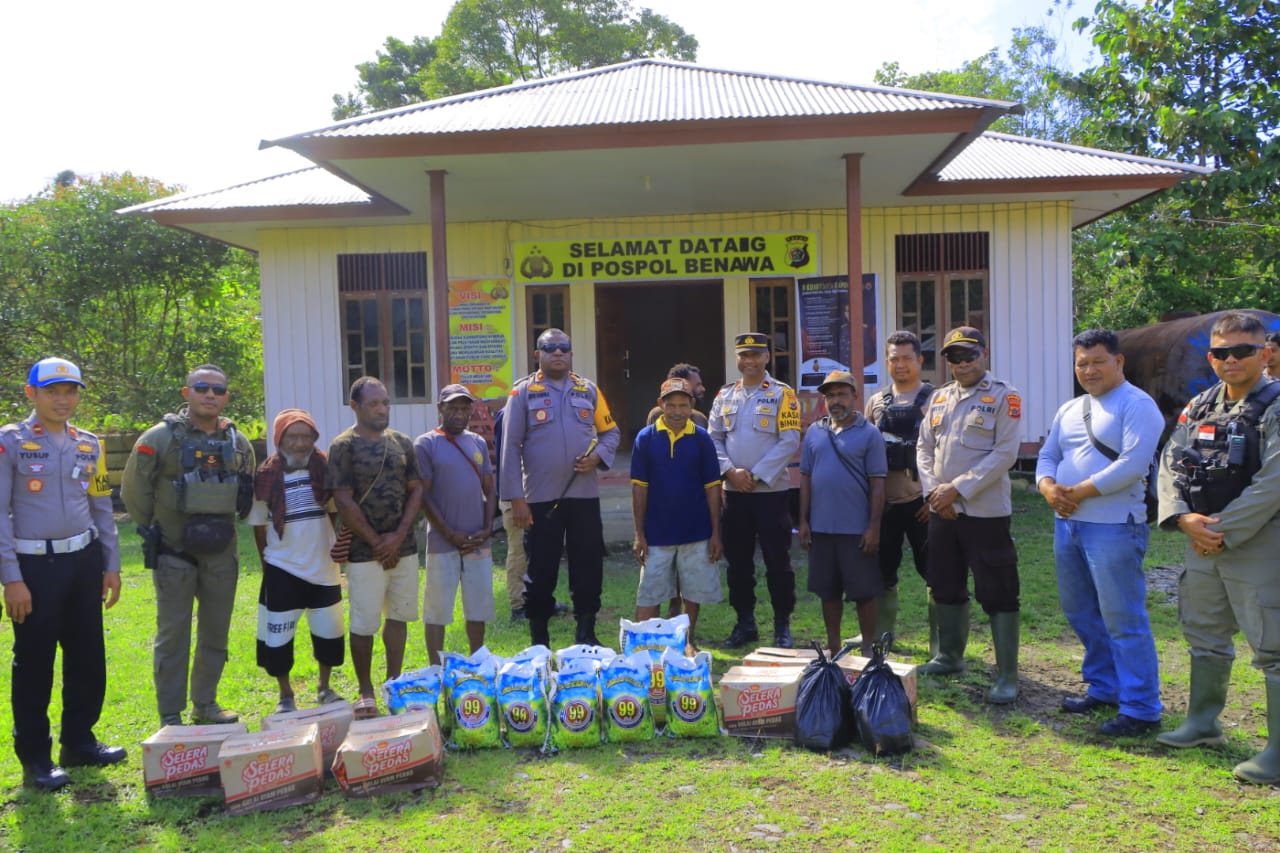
185	92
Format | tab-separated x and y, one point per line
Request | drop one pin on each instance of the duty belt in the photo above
70	545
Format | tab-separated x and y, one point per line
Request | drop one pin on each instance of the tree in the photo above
135	304
1192	80
487	43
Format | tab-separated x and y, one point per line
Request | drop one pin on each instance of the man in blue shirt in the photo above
842	474
1093	471
675	502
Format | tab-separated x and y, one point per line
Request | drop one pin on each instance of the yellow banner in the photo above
480	336
657	258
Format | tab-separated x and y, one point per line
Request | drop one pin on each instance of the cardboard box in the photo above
760	701
271	770
182	761
389	754
851	664
332	720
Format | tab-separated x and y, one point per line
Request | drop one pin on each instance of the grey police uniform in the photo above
1236	586
58	536
757	429
150	493
547	424
970	439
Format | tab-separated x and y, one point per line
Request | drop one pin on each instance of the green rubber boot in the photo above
1264	768
1209	680
1004	636
953	636
887	614
933	627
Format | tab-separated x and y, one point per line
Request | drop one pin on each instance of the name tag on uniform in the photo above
766	408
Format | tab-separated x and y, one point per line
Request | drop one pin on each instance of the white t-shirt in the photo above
308	533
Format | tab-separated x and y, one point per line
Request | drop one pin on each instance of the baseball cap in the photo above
453	392
51	371
838	377
964	337
675	385
751	341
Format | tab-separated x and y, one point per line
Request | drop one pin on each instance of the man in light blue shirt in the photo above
1093	472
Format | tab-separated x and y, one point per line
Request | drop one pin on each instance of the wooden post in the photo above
439	282
853	210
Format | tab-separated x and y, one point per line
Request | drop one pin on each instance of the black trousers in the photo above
575	526
66	610
763	517
983	545
899	523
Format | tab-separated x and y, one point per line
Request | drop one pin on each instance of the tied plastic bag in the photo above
417	690
624	698
522	698
599	654
823	718
575	705
655	636
879	705
691	701
470	688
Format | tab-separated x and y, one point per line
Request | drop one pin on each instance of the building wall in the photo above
1030	292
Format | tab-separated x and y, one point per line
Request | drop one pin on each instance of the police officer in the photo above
557	431
1219	483
755	426
897	411
190	475
967	445
59	563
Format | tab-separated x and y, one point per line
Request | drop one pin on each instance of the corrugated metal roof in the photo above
311	187
1001	157
642	91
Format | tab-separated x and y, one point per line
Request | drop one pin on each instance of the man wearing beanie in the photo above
294	534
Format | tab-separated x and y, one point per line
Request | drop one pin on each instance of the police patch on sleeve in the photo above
1015	405
789	411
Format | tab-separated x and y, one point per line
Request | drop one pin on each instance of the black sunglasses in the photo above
205	388
1240	351
556	347
963	357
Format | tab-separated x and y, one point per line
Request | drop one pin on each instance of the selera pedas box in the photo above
182	761
271	770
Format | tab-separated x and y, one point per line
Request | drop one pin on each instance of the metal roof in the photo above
1001	157
642	91
309	187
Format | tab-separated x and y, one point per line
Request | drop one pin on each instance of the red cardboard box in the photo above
271	770
389	754
760	701
851	664
332	720
182	761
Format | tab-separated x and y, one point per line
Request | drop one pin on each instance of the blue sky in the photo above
183	92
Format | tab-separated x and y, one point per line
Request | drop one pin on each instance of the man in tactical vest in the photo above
186	480
1219	483
897	411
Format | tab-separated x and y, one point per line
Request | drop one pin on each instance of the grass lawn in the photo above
1024	776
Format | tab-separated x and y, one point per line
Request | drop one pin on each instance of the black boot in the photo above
586	633
538	633
744	632
782	632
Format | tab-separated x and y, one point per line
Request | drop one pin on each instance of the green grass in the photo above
983	778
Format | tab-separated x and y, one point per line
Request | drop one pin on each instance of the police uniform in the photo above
58	536
187	571
757	429
547	424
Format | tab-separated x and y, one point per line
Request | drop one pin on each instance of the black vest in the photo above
901	426
1225	449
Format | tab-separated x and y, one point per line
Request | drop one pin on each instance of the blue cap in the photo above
51	371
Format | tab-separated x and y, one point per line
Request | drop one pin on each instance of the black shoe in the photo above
782	636
96	754
518	614
585	635
44	775
1084	704
1125	726
743	633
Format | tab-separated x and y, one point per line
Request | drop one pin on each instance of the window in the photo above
383	300
546	307
942	283
773	312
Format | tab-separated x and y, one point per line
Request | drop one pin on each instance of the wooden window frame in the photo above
943	278
782	358
533	329
395	284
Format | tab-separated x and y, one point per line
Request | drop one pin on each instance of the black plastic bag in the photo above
822	705
879	706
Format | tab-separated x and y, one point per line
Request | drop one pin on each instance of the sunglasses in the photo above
1239	351
205	388
960	357
566	348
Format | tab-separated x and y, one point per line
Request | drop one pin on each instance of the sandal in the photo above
285	705
327	697
366	708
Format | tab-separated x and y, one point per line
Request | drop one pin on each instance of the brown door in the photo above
642	330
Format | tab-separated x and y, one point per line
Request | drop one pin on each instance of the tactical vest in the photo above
1225	450
211	486
900	425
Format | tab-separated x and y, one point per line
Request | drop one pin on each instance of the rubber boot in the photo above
782	632
585	635
953	636
1004	636
886	617
1264	768
933	627
1209	680
538	633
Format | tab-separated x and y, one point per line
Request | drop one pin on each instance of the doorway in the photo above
644	328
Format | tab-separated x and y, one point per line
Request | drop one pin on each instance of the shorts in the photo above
838	567
445	572
699	577
373	591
